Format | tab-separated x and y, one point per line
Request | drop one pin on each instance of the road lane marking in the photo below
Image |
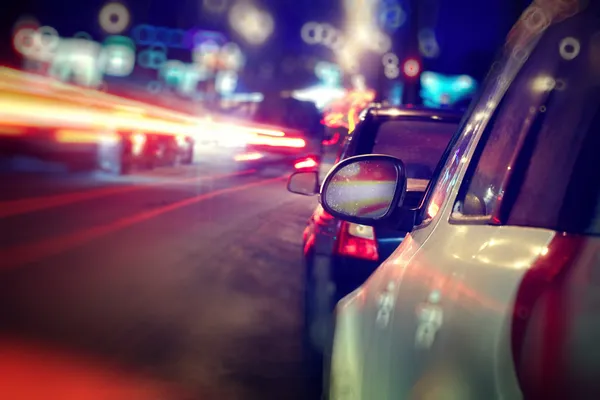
13	208
23	254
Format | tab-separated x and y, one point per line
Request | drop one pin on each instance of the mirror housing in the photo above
367	190
305	183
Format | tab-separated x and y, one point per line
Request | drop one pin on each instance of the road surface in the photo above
185	281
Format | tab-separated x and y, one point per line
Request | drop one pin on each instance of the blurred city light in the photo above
153	57
322	33
391	16
391	67
254	25
328	73
358	82
78	61
428	45
226	82
543	84
231	56
37	44
438	89
320	95
411	68
348	58
114	18
118	56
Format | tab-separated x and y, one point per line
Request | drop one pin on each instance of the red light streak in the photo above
306	163
247	156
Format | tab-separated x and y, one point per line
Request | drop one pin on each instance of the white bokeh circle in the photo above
107	16
569	48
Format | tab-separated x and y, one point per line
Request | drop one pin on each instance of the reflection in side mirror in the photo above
304	182
366	188
473	205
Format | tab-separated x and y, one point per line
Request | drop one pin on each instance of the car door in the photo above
390	363
461	284
426	280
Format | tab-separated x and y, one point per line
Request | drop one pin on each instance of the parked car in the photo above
494	292
339	256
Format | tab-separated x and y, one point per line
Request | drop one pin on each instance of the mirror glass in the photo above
364	188
304	183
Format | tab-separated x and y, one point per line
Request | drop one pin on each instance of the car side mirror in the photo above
365	189
305	183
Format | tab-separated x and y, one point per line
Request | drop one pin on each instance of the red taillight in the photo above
305	163
292	142
332	141
357	241
321	216
540	321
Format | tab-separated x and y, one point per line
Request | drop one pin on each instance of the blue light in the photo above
391	15
329	74
438	89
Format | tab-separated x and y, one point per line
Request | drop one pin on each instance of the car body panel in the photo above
436	320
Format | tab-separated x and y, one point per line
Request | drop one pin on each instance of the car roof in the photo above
418	113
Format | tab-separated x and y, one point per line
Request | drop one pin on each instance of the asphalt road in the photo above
176	283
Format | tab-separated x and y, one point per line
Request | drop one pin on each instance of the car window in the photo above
560	184
533	145
477	116
419	144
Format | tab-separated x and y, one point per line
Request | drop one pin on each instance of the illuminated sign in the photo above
438	89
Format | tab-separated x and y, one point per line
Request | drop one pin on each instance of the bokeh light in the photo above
428	44
118	56
114	18
36	44
569	48
254	25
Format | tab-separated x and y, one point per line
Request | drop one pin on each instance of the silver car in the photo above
495	292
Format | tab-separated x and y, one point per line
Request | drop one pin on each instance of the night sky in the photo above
468	31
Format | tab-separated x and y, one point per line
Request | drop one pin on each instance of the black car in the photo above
340	256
